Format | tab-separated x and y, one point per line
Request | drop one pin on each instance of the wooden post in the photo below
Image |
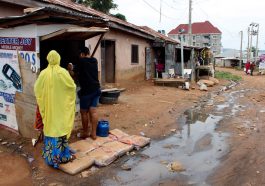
193	66
241	55
182	57
96	47
257	46
190	25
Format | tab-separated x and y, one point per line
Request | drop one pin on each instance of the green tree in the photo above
100	5
120	16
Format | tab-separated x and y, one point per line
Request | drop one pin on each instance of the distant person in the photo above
252	67
55	92
197	64
159	65
87	75
247	67
160	69
200	59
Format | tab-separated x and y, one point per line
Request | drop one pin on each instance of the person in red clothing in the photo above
160	67
247	66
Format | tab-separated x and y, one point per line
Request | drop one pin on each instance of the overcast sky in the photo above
230	16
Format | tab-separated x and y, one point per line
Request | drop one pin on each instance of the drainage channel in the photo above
198	147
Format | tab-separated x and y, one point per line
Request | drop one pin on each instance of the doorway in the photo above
68	50
159	61
108	61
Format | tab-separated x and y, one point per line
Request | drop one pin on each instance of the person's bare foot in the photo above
83	135
73	157
93	137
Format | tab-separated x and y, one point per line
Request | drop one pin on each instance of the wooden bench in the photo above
170	81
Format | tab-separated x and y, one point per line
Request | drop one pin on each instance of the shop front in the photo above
23	51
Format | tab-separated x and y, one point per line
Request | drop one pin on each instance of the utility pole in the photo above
248	45
190	42
182	56
181	32
250	42
160	11
254	33
241	55
190	26
257	49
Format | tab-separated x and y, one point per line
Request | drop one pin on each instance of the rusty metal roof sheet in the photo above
90	11
51	15
159	35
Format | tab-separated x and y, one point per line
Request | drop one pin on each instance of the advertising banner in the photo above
10	76
10	82
18	43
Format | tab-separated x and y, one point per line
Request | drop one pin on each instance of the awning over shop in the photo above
76	33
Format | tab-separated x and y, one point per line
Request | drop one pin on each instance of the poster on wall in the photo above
10	76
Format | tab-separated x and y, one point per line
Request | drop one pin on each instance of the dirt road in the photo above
219	139
245	162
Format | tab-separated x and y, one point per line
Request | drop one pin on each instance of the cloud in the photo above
230	16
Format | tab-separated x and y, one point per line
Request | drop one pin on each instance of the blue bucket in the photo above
103	128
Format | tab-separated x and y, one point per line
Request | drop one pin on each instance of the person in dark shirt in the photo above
87	76
252	67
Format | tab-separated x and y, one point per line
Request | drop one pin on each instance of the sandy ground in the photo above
154	110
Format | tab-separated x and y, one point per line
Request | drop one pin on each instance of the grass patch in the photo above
227	76
238	68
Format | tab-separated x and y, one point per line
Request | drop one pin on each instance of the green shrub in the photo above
227	76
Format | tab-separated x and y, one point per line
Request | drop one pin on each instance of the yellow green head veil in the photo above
55	94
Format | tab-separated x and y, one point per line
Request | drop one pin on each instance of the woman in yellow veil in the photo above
55	94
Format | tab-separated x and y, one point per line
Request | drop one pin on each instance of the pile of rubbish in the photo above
204	83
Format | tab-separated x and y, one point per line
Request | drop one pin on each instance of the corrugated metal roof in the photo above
159	35
197	28
52	15
90	11
75	9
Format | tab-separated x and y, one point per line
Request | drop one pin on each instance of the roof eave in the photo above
130	30
50	15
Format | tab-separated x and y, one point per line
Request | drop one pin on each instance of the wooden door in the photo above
108	61
148	65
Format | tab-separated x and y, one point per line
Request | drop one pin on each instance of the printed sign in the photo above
18	43
10	76
31	57
10	82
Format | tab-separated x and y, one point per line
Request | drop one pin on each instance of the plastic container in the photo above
171	72
108	100
187	85
103	128
165	75
112	94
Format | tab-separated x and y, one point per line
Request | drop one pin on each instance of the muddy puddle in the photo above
20	174
198	147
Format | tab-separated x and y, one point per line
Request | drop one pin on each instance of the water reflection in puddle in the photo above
197	147
230	102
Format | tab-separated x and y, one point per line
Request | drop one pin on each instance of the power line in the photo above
172	7
232	35
158	10
200	1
